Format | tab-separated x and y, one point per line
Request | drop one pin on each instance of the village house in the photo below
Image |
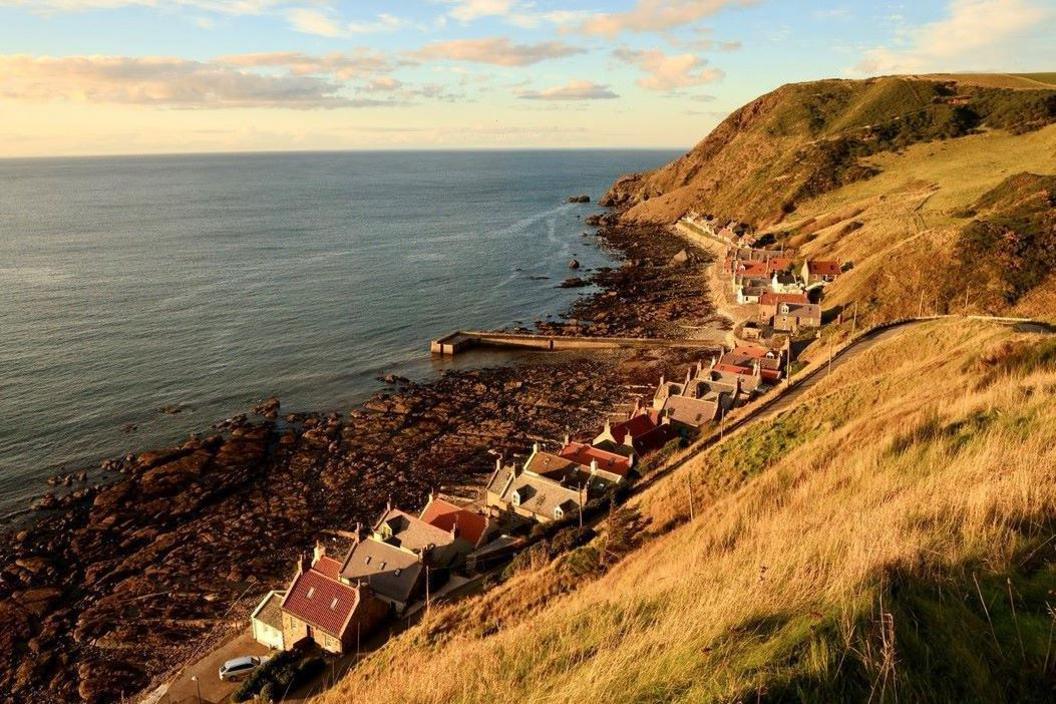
319	606
699	400
266	620
752	361
785	282
769	302
396	574
822	271
643	432
591	476
792	317
520	492
587	455
470	526
406	531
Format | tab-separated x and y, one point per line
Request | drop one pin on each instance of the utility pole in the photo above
920	307
692	507
854	322
427	596
829	370
580	511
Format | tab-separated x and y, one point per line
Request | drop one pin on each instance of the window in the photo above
333	604
381	566
311	591
397	572
367	561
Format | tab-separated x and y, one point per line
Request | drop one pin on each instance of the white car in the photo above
237	668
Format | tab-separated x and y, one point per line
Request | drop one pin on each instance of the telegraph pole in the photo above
854	322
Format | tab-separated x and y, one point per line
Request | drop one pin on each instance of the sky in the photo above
82	77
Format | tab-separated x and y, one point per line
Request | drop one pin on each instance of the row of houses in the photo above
780	287
337	601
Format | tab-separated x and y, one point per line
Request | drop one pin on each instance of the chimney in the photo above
714	361
535	448
608	427
388	505
628	440
661	380
594	466
568	440
498	463
755	369
318	552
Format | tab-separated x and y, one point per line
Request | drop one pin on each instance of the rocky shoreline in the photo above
117	584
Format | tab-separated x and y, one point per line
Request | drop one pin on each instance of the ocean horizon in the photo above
206	282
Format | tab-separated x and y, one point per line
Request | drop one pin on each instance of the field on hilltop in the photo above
806	139
887	539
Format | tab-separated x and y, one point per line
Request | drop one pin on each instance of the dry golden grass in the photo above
909	219
921	462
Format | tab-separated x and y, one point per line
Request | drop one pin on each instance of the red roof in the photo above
772	299
446	515
320	600
752	268
582	454
778	264
824	267
637	426
328	566
654	439
754	351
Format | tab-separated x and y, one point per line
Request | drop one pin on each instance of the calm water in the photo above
212	281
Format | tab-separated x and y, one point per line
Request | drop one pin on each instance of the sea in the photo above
205	283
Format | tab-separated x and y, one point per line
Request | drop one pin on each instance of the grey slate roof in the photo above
390	571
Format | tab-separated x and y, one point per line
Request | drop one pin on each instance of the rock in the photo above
573	264
171	409
680	259
573	282
581	198
268	408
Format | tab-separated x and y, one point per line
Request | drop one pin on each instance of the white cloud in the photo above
498	51
520	13
164	82
573	90
314	22
227	7
974	32
359	64
669	72
656	16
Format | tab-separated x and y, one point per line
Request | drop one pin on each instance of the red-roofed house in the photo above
769	301
469	527
583	454
318	606
643	432
821	270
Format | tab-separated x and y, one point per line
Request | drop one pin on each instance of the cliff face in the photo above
804	140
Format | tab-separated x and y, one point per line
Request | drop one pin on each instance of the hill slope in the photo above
888	538
806	139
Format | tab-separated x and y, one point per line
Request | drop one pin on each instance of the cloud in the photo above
362	63
574	90
498	51
325	24
226	7
973	32
521	13
656	16
164	82
669	72
469	10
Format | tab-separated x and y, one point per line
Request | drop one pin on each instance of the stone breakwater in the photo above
116	584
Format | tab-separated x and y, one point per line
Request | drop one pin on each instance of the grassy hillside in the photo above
804	140
888	540
941	227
